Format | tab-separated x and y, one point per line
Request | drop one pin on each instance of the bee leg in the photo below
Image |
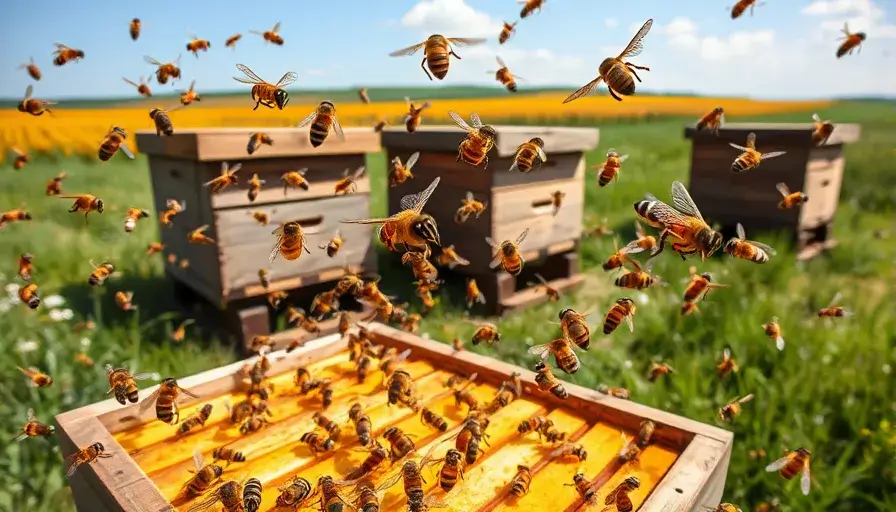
632	71
613	94
485	167
257	103
423	66
456	56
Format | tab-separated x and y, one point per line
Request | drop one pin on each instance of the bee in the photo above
362	423
620	495
751	250
449	258
197	237
154	247
294	179
609	169
322	120
231	41
173	208
400	384
575	328
123	385
530	6
452	469
123	300
370	291
791	464
506	32
276	298
457	344
474	295
243	410
112	142
349	283
134	28
21	158
468	439
617	72
131	218
324	303
479	141
227	454
689	307
165	71
424	291
751	158
699	286
732	409
546	381
620	393
378	127
728	364
504	76
822	132
25	266
413	482
28	295
519	486
195	420
790	200
161	120
430	418
584	487
142	86
327	424
400	443
773	331
33	70
412	323
252	495
529	155
349	182
851	41
712	121
190	95
290	241
263	218
409	226
100	273
254	188
230	494
538	424
196	44
436	50
741	6
165	400
34	106
557	200
264	93
657	370
469	206
684	223
86	456
253	423
645	433
64	54
271	36
638	278
756	454
256	140
294	493
508	255
423	269
623	309
318	443
832	311
486	332
85	202
402	172
570	450
412	118
84	359
725	507
34	428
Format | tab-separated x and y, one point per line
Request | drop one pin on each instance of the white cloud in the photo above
611	23
860	15
451	18
316	72
682	33
537	67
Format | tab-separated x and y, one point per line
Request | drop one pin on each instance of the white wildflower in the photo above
85	343
12	289
628	364
54	301
5	305
886	369
26	346
58	315
425	336
818	419
641	298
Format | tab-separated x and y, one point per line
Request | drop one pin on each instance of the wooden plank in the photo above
536	295
446	138
822	186
795	134
681	490
215	144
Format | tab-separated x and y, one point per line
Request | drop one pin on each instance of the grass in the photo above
831	390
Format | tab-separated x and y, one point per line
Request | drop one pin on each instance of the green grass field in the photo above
832	390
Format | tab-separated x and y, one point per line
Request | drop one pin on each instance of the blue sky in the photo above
785	50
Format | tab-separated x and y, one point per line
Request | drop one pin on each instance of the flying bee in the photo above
142	86
790	199
689	307
195	420
832	311
751	158
165	71
112	142
469	206
474	295
486	332
620	393
851	41
380	125
773	331
197	236
684	223
294	179
570	451
85	202
741	6
262	218
712	121
620	495
64	55
423	269
402	172
173	208
34	428
349	283
124	301
362	423
161	120
33	70
165	400
479	141
575	328
34	106
504	76
756	454
190	95
740	247
430	418
791	464
25	266
508	255
271	36
822	132
28	295
324	303
101	273
449	258
638	278
413	117
617	72
529	155
123	384
154	247
294	493
131	218
409	226
256	140
584	487
349	182
264	93
727	366
322	120
732	409
318	443
608	170
436	50
178	334
290	241
196	45
547	382
412	323
657	370
134	28
557	200
620	256
724	507
333	245
255	187
86	456
20	159
700	286
400	443
506	32
36	378
623	309
362	95
530	6
275	299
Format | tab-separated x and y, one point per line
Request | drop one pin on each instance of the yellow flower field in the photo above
76	132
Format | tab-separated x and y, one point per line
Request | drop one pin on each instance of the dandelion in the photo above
54	301
26	346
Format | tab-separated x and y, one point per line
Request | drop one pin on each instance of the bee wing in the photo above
338	129
417	201
683	202
816	118
389	482
623	158
778	464
740	231
806	479
522	236
501	62
29	91
745	399
149	401
410	50
630	322
542	351
253	78
837	297
477	123
198	462
31	416
587	89
541	278
773	154
726	354
470	197
146	376
276	27
783	189
187	392
412	160
735	146
458	120
760	245
124	149
366	221
308	119
129	82
541	155
751	140
636	46
150	60
286	79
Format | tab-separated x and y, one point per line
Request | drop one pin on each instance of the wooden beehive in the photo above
683	468
515	201
751	198
226	274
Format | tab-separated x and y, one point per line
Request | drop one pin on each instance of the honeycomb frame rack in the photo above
683	468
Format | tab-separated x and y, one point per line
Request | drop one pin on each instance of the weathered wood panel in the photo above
444	137
787	134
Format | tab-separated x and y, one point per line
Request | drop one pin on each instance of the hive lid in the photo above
446	138
216	144
778	133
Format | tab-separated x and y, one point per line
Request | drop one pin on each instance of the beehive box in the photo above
751	197
515	201
226	274
684	467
